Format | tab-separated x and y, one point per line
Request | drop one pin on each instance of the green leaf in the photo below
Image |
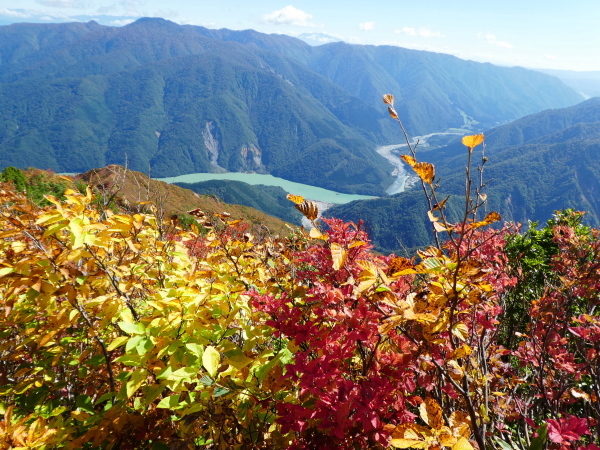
153	392
144	345
184	372
196	349
117	342
538	442
210	360
132	328
206	380
95	360
220	391
170	402
130	360
133	342
84	402
263	371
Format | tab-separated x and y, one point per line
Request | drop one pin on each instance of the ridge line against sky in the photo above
528	33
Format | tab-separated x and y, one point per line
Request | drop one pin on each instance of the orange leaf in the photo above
392	112
388	99
409	160
472	141
425	171
399	264
490	218
309	209
440	205
431	413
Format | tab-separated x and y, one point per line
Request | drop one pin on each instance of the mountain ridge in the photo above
181	99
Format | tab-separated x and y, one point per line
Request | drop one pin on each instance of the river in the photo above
387	151
324	197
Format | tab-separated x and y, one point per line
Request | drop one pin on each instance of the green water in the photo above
309	192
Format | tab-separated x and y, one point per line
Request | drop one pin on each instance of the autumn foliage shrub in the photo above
117	331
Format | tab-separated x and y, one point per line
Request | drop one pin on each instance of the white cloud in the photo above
61	3
424	47
366	26
289	16
196	23
15	13
492	40
121	22
419	32
321	38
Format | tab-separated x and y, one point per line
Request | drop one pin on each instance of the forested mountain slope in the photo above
174	99
536	165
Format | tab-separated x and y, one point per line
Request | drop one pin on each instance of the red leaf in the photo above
567	429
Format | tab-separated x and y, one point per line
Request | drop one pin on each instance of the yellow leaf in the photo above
368	276
239	361
445	437
408	443
425	171
338	255
316	234
18	246
461	331
357	244
80	415
472	141
136	379
460	422
210	360
439	227
388	99
432	218
47	338
409	160
462	444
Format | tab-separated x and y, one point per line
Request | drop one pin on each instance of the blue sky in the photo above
528	33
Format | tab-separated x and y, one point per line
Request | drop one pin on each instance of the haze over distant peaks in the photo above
318	38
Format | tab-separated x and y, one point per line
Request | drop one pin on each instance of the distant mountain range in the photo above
586	83
537	165
170	99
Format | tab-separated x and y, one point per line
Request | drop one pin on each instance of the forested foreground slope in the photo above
123	330
181	99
